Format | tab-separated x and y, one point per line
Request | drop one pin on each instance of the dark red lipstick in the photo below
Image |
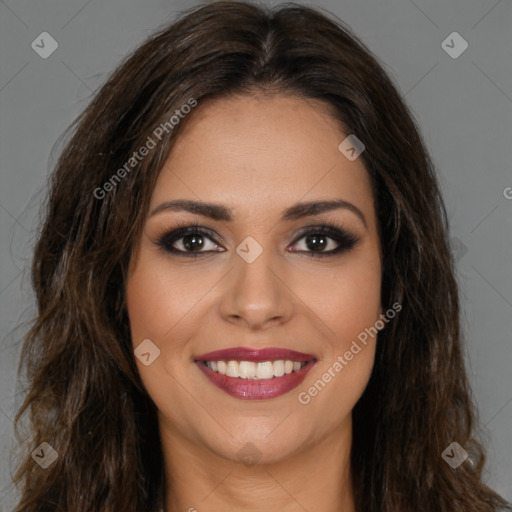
256	389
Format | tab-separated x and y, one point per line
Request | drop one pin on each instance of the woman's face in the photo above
259	281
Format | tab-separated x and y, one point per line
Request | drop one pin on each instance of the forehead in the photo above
254	151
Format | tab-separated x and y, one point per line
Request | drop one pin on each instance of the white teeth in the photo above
247	369
232	370
265	370
221	367
279	368
250	370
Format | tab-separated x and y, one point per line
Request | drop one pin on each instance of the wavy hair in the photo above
84	395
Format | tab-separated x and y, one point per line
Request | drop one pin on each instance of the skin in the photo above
258	155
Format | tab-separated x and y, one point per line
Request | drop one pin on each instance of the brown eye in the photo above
317	240
188	241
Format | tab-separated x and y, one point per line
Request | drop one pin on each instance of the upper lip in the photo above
255	355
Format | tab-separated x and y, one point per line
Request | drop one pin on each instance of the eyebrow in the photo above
221	212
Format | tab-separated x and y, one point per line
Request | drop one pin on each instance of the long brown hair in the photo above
84	395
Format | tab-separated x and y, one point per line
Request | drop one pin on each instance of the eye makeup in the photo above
193	235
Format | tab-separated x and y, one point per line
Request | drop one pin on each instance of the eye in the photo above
317	239
188	241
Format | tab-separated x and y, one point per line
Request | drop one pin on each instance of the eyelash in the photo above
345	240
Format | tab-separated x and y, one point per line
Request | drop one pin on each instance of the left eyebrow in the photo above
221	212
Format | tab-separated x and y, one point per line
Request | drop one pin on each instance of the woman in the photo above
246	296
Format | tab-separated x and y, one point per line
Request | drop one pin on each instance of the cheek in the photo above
340	377
154	306
163	307
348	303
345	300
158	299
157	306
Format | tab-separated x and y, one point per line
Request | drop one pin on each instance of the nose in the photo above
256	294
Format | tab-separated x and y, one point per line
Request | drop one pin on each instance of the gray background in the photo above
463	105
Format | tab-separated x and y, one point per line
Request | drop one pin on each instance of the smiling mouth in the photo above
255	374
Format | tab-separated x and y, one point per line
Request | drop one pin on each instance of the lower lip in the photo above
248	389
